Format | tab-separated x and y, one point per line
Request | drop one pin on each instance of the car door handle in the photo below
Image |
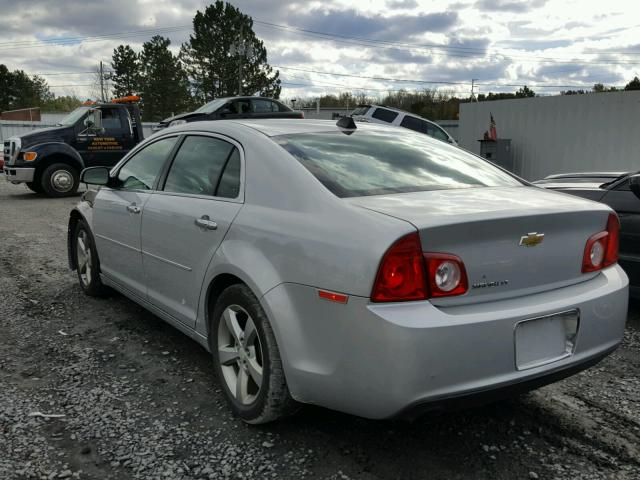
133	209
206	223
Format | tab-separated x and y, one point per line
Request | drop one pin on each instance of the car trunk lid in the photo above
513	241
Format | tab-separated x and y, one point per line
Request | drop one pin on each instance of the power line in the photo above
435	82
372	43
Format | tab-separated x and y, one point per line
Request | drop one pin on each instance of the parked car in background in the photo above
371	270
400	118
619	191
230	108
49	160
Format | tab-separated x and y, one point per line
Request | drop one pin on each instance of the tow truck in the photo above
49	160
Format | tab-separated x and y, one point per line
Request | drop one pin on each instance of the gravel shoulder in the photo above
138	399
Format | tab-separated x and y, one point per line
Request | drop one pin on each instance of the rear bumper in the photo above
19	175
382	360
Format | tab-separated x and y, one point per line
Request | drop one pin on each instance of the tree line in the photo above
439	104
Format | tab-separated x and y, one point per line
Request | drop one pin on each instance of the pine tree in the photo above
126	71
214	53
165	87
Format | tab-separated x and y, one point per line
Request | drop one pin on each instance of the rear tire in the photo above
246	358
35	187
60	180
87	262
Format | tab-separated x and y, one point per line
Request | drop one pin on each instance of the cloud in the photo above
381	27
513	6
399	4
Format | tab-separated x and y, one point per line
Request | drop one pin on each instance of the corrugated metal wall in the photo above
568	133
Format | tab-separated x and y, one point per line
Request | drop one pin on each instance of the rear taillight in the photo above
406	273
446	275
601	249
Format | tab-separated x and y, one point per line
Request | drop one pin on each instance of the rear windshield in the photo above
397	161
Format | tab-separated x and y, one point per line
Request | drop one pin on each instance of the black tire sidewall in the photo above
95	286
45	180
242	296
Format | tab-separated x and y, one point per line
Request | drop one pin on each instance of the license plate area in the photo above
546	339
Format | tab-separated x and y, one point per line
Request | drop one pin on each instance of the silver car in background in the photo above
370	270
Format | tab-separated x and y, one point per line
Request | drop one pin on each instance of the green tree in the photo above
214	54
165	87
525	92
19	90
65	103
633	84
126	71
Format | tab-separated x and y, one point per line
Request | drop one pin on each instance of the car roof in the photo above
587	175
272	127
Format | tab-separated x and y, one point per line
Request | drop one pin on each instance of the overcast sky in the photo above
547	44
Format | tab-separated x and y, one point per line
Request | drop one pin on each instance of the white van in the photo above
400	118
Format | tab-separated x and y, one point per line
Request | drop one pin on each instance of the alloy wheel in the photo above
240	354
83	257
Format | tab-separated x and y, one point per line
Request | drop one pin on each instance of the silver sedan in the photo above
370	270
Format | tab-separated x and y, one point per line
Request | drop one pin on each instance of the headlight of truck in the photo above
29	156
177	122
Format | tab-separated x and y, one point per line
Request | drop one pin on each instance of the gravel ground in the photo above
138	399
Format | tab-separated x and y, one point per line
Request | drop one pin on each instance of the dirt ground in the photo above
140	401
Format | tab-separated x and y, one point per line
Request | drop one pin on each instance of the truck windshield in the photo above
74	116
211	106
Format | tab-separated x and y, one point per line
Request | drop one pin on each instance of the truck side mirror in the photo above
634	185
95	176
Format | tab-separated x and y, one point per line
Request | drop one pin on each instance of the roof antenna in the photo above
347	123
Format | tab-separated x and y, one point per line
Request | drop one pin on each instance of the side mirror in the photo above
95	176
634	185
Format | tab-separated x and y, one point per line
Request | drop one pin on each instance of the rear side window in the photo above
142	169
384	115
229	183
263	106
198	166
376	163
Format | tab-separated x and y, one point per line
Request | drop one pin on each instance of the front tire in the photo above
87	262
246	358
60	180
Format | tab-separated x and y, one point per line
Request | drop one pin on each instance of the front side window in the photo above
436	132
377	163
384	115
360	110
198	166
142	169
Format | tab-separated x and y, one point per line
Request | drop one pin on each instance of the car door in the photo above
185	222
627	205
109	145
118	211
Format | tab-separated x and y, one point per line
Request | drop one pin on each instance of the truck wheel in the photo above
35	187
59	180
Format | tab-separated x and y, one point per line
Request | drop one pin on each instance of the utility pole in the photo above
473	84
101	82
241	57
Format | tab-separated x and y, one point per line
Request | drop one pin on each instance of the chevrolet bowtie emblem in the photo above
531	239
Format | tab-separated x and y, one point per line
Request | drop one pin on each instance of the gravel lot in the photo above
139	399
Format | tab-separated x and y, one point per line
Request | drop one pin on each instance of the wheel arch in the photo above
80	212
